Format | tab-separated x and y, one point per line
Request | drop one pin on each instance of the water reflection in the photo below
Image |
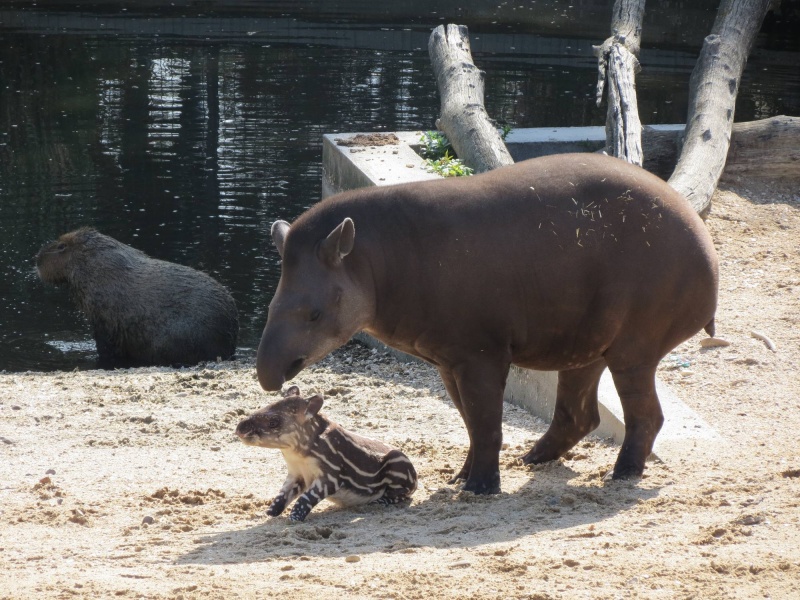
187	136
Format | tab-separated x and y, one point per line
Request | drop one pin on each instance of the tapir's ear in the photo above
280	230
314	404
339	242
292	391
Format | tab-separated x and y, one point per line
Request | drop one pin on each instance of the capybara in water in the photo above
142	310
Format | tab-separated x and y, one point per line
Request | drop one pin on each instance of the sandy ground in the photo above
131	483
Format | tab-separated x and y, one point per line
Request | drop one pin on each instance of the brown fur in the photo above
142	310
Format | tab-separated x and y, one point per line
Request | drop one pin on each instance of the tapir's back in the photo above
569	202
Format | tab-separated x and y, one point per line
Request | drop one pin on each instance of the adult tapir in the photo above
569	262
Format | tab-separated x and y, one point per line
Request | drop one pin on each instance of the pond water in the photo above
186	131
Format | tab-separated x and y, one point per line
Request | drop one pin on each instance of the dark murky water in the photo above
186	132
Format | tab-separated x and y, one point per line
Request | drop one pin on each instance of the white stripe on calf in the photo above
399	458
357	470
322	457
370	489
328	441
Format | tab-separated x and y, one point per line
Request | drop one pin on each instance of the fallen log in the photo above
767	149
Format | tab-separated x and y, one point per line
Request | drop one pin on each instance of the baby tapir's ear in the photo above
314	404
292	391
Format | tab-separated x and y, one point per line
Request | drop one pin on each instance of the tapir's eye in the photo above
315	315
61	246
274	423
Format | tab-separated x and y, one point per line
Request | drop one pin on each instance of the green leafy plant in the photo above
505	130
448	166
439	155
434	145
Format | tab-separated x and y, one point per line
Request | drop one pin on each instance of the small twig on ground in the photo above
767	342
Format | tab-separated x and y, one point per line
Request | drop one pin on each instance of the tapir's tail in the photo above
710	327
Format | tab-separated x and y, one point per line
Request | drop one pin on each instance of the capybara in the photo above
143	311
324	459
569	263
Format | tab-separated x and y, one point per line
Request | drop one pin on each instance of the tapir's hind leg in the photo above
643	418
575	414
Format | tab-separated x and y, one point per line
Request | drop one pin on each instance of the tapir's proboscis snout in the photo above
272	370
271	360
572	263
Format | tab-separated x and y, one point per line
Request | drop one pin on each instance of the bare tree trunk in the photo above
463	118
712	99
618	63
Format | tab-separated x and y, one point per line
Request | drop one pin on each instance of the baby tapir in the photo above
324	460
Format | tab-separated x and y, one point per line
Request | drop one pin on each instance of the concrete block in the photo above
350	167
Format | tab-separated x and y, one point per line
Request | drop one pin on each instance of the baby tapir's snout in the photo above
324	460
249	430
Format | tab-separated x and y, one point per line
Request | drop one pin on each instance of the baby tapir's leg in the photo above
399	476
291	489
319	490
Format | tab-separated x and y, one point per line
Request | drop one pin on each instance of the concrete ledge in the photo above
349	167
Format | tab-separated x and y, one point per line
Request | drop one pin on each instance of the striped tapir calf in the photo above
325	460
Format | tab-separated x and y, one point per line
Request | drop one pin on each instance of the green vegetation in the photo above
439	155
448	166
434	145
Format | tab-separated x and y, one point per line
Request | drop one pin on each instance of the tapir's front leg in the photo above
452	391
319	490
291	489
480	388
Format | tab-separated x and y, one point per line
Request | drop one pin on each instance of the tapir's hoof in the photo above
460	476
627	471
538	455
483	487
463	474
